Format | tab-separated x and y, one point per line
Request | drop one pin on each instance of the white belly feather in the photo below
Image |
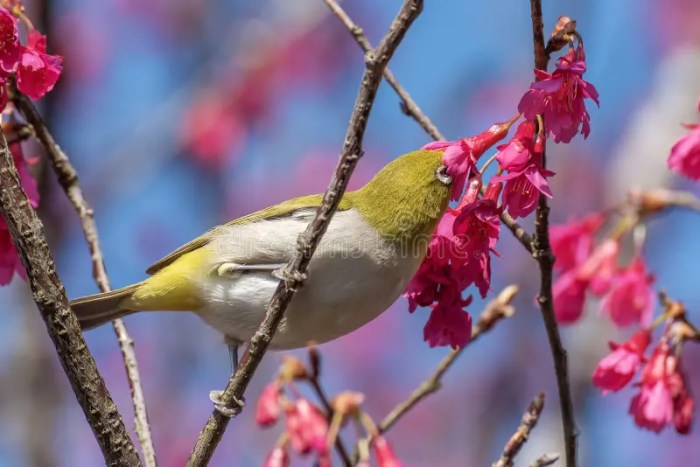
354	276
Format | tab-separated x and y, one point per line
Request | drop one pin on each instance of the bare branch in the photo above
410	108
306	245
63	328
496	310
516	442
542	252
68	179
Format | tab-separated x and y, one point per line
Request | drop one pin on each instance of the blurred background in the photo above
180	115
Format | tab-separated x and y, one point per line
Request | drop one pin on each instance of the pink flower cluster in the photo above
9	259
37	72
559	97
685	154
459	254
627	293
663	396
306	427
307	430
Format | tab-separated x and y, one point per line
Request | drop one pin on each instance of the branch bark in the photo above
295	271
516	442
68	179
542	252
410	108
50	297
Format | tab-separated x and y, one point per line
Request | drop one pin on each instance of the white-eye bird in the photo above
373	246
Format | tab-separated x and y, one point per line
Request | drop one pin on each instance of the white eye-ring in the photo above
441	175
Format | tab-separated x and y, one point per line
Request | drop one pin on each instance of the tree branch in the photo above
68	179
410	108
306	245
62	325
516	442
496	310
542	252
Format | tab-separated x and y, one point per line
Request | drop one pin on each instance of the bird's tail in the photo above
96	310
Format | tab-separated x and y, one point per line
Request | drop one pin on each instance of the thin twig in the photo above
68	179
496	310
546	459
410	108
516	442
49	294
315	381
542	252
295	271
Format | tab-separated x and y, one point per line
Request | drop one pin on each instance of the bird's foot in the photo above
225	410
293	279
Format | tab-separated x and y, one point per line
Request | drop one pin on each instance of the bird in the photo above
373	246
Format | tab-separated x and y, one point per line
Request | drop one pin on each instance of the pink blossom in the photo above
434	270
559	97
476	229
515	155
448	323
37	72
384	453
683	413
685	154
652	407
663	395
526	178
618	368
11	48
573	242
522	189
601	267
268	409
278	457
460	156
569	296
307	427
458	256
631	297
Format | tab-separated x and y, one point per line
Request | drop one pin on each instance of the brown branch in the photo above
516	442
63	328
68	179
542	252
375	63
410	108
315	380
496	310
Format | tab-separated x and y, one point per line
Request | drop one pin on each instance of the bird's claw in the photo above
225	410
293	279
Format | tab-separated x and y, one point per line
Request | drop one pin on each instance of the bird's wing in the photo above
281	210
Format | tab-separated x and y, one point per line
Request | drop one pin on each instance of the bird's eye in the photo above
441	175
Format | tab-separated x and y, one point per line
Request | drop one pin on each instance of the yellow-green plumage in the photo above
403	202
